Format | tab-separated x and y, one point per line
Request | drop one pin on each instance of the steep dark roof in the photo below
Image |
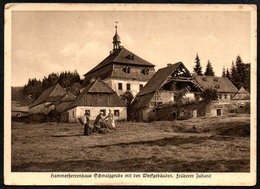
155	83
158	78
66	97
221	84
50	95
121	56
97	94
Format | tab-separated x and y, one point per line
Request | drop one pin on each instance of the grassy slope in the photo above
198	145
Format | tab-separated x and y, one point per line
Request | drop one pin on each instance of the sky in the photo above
54	41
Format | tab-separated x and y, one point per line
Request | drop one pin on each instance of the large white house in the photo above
122	70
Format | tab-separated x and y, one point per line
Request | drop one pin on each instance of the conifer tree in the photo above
223	72
228	74
197	68
209	70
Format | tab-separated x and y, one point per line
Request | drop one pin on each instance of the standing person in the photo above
110	119
87	126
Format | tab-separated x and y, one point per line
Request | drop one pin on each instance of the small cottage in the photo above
95	98
224	87
44	103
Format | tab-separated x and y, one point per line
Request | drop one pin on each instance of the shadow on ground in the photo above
172	141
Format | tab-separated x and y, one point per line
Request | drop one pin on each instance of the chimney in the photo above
169	64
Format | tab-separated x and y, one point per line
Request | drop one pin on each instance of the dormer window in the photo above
130	56
127	69
145	71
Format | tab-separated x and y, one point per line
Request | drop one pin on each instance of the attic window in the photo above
127	69
130	56
217	86
215	79
145	71
204	79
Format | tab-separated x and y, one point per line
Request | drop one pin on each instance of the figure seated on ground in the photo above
100	125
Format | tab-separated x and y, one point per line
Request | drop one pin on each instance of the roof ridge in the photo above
94	69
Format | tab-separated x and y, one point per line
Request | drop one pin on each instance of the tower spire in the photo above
116	39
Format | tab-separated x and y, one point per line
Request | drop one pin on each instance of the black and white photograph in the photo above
130	94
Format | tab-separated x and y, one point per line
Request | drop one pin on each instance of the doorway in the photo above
219	112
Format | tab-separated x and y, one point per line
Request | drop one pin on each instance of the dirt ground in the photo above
219	144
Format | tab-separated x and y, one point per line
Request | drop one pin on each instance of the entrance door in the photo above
218	112
194	113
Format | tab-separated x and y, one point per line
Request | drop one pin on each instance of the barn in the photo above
44	103
165	87
95	98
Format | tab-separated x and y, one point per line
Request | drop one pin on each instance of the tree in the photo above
224	72
209	70
197	68
234	75
128	97
228	74
209	95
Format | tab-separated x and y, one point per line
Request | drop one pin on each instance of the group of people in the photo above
101	124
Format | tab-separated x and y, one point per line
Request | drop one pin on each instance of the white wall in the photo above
79	111
113	83
167	96
189	96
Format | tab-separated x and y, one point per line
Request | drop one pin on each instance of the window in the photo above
127	69
145	71
103	111
128	87
116	113
219	96
225	96
130	57
120	86
140	87
73	113
88	112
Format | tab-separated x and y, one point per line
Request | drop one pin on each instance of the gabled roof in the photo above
50	95
97	94
66	98
155	83
158	79
121	56
241	94
221	84
242	91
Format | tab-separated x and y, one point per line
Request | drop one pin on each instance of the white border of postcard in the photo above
43	178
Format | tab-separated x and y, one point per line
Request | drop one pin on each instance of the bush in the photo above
52	116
